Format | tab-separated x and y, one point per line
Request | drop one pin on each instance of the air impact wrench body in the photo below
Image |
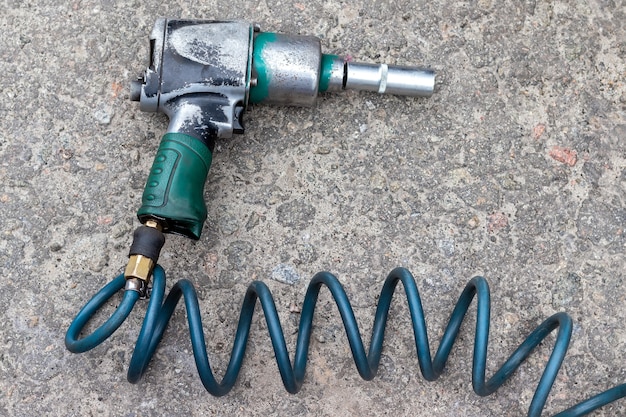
202	75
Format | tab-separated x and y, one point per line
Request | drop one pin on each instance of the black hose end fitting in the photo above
147	241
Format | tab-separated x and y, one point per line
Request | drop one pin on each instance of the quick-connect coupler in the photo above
203	74
148	240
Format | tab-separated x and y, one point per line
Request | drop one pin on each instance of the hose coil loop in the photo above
161	308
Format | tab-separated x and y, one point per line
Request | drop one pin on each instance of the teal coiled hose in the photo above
161	308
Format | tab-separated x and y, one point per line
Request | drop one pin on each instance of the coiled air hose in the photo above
159	313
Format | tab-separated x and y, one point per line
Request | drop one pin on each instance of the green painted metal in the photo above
326	70
260	91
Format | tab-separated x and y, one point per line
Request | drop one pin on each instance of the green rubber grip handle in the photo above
174	192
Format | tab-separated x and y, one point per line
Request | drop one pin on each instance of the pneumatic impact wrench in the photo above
203	74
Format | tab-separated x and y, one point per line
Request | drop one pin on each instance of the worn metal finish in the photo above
291	65
198	75
337	74
203	73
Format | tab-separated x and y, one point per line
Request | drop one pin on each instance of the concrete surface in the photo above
514	169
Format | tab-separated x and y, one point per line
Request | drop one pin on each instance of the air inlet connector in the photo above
143	256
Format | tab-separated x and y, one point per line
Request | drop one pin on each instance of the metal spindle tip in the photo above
390	79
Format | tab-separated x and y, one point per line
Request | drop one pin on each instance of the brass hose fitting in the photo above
148	240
